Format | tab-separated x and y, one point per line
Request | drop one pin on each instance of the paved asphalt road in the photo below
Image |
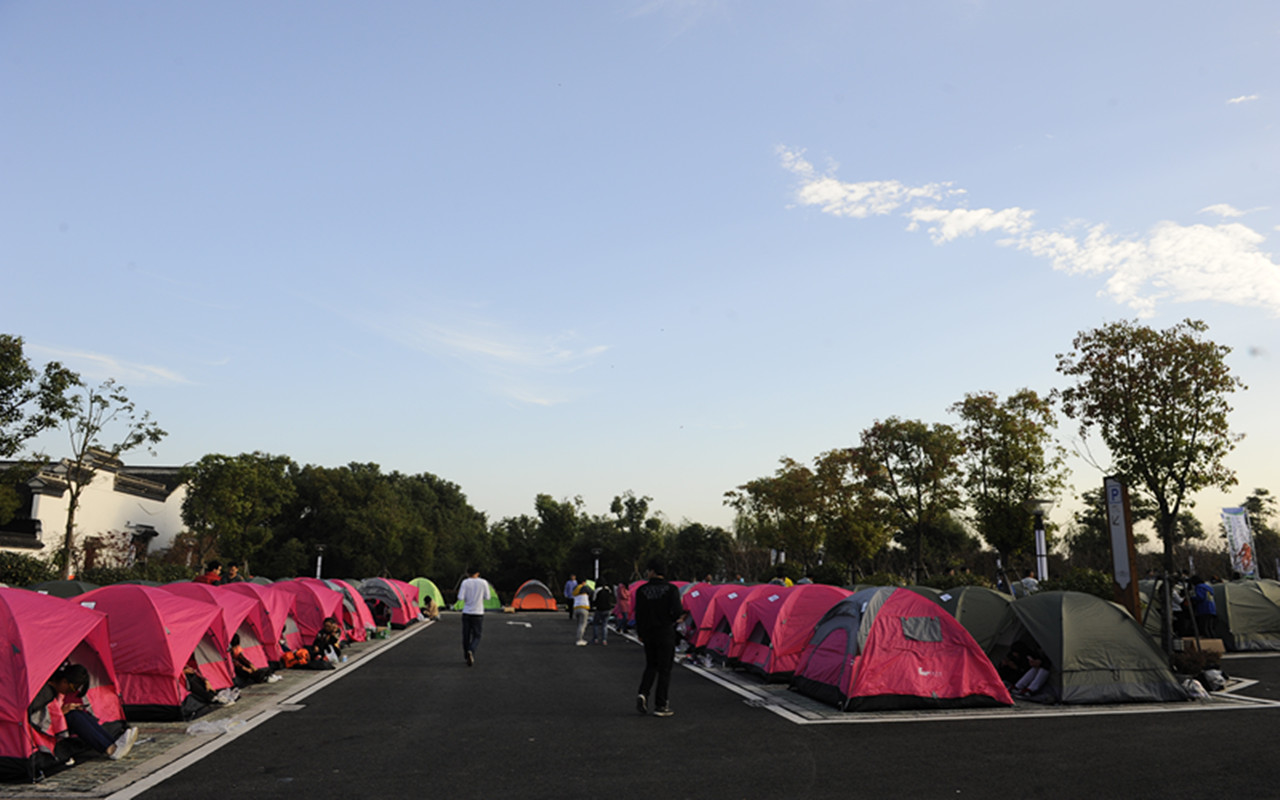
540	718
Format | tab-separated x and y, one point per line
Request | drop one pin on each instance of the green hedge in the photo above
17	569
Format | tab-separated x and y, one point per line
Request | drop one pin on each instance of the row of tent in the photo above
135	641
888	647
1248	612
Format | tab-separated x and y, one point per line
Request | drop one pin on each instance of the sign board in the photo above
1116	496
1240	540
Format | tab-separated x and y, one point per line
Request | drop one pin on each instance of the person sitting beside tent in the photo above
430	609
1029	583
233	574
326	648
246	672
1036	676
212	574
62	695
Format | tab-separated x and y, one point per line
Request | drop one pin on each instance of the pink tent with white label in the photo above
239	616
37	633
154	635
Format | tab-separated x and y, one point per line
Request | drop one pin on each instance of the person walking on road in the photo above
473	592
657	610
581	611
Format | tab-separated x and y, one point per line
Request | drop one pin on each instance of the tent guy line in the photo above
287	704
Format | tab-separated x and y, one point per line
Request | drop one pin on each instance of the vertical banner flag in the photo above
1240	540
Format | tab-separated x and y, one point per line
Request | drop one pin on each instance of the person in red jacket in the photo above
212	575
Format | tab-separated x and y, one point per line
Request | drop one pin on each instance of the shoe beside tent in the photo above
1097	653
37	634
154	634
533	595
778	626
239	616
886	648
1248	614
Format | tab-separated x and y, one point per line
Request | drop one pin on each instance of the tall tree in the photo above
232	502
851	518
784	510
913	467
1010	457
1158	399
101	411
31	401
638	537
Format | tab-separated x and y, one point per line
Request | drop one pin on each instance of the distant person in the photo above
212	574
473	592
67	686
657	609
1029	583
1205	609
601	607
232	574
581	612
569	587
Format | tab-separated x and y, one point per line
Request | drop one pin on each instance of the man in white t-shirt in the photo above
473	592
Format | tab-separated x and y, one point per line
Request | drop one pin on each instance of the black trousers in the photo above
472	626
659	658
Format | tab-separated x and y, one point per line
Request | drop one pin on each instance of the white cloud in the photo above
1222	210
1244	98
99	367
857	200
1172	262
946	225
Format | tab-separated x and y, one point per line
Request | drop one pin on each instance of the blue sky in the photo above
581	248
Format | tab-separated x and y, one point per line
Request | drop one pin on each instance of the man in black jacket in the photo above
657	609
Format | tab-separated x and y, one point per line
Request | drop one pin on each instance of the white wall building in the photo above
143	502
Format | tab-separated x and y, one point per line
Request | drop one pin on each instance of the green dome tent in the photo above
1097	653
426	588
492	604
984	613
1248	614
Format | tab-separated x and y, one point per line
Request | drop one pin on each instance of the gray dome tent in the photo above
1097	653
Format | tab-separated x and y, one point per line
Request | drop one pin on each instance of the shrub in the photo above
18	569
882	579
1089	581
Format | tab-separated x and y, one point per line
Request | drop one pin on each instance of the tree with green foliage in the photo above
1088	537
698	550
850	516
99	411
638	533
233	502
1158	399
31	402
1010	457
783	510
558	523
914	469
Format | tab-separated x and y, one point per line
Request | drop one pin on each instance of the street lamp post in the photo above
319	559
596	551
1039	508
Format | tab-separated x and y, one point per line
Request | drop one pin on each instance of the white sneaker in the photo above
124	744
581	643
272	678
